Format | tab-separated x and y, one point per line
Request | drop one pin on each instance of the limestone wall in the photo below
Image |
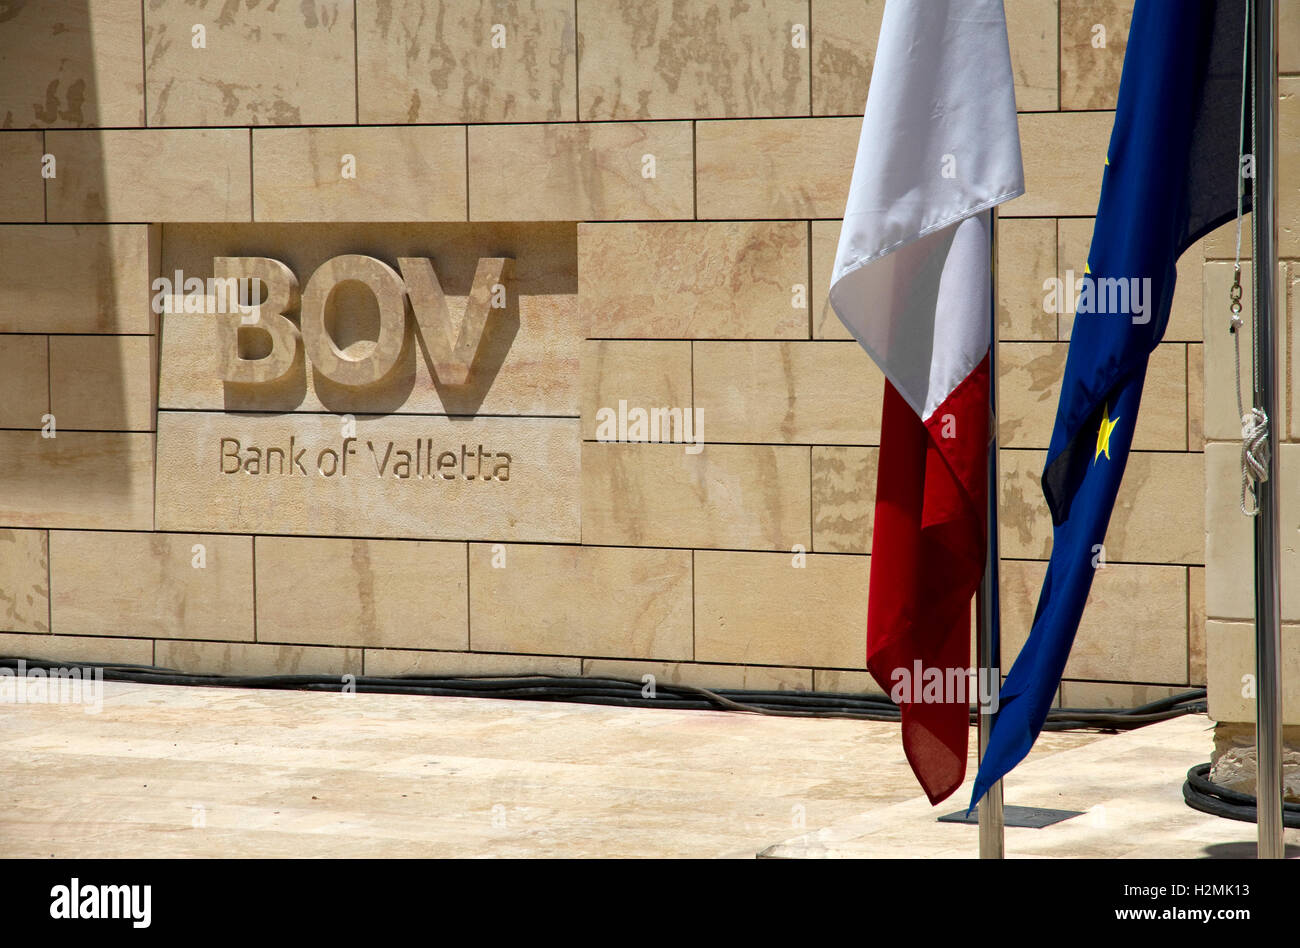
667	179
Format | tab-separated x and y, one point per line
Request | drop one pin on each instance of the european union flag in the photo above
1170	178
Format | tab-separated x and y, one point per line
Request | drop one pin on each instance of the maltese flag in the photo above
940	147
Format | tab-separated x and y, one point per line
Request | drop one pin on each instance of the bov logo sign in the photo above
451	350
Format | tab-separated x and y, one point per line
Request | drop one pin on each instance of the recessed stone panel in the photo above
526	361
1026	261
1185	317
1094	37
1158	516
825	243
78	648
1064	155
622	376
700	675
1123	598
1196	625
247	658
843	498
398	662
419	477
1029	380
845	34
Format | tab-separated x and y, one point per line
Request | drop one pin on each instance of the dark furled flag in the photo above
1170	178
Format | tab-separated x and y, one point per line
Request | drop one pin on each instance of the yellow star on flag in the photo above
1103	434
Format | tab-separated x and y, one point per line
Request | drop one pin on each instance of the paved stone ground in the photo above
185	771
1128	787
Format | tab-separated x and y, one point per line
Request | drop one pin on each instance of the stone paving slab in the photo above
195	771
1128	786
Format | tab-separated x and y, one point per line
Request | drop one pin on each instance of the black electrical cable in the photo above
620	692
1201	794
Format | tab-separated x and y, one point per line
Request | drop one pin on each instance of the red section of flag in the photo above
927	557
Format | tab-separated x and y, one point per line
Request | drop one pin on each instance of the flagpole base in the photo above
992	829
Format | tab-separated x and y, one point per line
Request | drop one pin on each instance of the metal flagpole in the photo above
987	624
1268	634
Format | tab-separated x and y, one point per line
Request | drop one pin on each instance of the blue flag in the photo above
1170	178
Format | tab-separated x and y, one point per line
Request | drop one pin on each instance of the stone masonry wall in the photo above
668	178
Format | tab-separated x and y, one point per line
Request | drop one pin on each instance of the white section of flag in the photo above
940	146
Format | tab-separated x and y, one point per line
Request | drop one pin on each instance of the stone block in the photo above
455	62
70	64
259	63
150	175
24	381
74	278
1094	37
774	168
372	173
632	374
24	581
843	498
581	172
102	383
694	280
373	593
815	392
699	59
729	496
581	600
151	585
78	479
759	608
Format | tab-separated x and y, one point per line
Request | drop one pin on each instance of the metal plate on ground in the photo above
1030	817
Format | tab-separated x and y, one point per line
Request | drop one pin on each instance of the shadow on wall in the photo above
69	292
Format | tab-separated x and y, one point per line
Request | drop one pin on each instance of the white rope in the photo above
1254	423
